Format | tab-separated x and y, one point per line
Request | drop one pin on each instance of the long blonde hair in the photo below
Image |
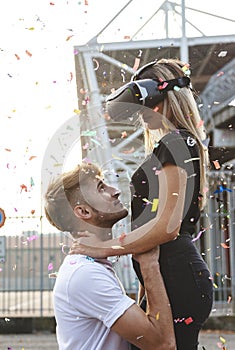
180	108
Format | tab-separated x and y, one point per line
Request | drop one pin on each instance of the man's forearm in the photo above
158	305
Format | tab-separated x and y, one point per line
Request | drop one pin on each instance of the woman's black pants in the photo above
189	287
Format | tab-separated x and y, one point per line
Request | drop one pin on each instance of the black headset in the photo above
129	98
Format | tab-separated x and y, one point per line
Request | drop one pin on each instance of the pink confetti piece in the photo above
198	236
179	320
50	266
224	245
32	238
122	237
216	164
136	64
163	86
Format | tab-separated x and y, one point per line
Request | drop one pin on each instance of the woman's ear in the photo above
82	211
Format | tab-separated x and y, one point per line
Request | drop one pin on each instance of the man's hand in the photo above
151	255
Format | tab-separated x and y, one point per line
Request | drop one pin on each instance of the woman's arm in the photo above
165	227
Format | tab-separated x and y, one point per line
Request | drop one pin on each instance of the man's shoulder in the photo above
82	267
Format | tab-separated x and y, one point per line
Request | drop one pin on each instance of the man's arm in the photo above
153	330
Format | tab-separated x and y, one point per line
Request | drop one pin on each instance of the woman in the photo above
168	191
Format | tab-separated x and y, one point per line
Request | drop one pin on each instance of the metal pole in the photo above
184	44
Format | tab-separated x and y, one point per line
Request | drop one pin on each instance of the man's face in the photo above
104	201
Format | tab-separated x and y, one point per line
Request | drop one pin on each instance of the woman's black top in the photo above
179	148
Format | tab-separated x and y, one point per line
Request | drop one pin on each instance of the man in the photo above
91	309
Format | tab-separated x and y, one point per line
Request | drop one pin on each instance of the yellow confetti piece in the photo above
157	316
222	340
116	157
215	285
146	201
154	205
77	111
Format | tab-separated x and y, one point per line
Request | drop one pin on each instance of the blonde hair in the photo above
181	110
63	193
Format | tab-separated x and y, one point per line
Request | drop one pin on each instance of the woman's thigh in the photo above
190	290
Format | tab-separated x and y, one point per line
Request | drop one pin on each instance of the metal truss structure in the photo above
117	146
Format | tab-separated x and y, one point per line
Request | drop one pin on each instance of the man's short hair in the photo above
64	192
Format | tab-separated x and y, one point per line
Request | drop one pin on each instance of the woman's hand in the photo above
88	244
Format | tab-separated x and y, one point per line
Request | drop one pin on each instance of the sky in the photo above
37	80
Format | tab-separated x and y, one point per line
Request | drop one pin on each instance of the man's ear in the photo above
82	211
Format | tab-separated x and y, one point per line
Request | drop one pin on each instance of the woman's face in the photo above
153	118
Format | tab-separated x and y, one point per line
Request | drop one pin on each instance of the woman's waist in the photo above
182	244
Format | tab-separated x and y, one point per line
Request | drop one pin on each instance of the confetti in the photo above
32	238
146	201
89	133
122	237
224	245
222	340
139	337
136	64
131	150
157	316
50	266
28	53
52	275
163	86
188	320
97	64
179	320
191	159
77	111
222	189
198	235
69	37
23	188
117	247
154	205
116	157
222	53
216	164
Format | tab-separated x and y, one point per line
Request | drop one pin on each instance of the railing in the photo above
31	260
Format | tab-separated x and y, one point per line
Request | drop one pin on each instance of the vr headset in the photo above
130	98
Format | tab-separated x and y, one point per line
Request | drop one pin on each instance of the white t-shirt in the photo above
88	299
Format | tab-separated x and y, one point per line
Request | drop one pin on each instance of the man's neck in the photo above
103	233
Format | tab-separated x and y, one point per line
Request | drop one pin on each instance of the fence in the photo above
31	259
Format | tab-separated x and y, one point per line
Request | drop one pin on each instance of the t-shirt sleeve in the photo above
95	292
174	149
